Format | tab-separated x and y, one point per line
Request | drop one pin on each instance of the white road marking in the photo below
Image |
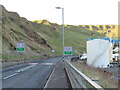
20	70
10	76
26	68
49	78
32	63
47	64
12	67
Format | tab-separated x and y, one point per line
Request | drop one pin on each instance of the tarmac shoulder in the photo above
58	78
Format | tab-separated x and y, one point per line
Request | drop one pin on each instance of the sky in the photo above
76	12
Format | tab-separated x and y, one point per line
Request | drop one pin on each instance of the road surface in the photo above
58	78
30	75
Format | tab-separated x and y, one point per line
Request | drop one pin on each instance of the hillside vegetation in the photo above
107	30
40	38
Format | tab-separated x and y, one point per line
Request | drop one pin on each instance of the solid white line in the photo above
10	76
50	77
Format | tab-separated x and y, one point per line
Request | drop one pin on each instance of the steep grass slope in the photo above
40	38
75	36
15	29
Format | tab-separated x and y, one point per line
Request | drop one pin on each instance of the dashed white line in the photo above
18	71
47	63
26	68
10	76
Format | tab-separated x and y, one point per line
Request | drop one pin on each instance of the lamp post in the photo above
62	28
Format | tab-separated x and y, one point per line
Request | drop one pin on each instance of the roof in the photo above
111	40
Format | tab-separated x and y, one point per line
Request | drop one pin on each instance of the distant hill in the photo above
108	30
40	36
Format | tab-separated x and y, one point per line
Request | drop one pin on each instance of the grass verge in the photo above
6	57
103	76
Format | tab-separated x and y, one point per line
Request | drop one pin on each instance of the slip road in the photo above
30	75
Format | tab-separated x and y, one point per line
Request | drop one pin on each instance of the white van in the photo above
84	56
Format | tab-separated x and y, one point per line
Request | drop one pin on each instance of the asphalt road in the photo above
30	75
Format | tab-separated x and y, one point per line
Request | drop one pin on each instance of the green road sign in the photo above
67	50
20	49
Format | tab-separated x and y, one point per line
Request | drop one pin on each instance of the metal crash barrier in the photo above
78	79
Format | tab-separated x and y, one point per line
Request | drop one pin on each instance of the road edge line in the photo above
50	77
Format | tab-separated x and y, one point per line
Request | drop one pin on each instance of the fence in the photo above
78	79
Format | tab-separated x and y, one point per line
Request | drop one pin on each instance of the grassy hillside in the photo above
75	36
107	30
15	29
40	38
